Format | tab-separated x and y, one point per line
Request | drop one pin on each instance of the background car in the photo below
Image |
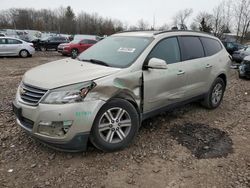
232	46
75	47
15	47
239	55
2	35
50	43
244	68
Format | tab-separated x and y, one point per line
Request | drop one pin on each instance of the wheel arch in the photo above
129	98
23	50
223	76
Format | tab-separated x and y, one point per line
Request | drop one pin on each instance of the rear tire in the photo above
24	53
215	95
115	126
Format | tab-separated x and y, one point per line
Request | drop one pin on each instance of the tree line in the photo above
228	16
61	20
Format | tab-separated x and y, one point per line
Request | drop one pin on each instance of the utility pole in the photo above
154	22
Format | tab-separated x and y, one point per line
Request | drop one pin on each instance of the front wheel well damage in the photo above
130	99
223	77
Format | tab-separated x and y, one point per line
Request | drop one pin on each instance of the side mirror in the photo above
156	63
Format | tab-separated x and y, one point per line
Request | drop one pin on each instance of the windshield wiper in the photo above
95	61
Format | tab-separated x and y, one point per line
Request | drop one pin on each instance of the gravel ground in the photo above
187	147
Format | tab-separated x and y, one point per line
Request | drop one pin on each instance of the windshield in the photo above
75	41
117	51
45	38
247	49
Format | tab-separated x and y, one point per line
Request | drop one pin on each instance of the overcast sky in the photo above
128	11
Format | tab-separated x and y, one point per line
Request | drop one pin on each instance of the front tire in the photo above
115	126
43	49
74	53
240	76
215	95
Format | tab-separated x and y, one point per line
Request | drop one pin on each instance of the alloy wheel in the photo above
217	94
114	125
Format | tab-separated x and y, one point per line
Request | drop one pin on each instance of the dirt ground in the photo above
188	147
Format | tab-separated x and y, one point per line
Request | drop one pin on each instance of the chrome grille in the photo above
30	94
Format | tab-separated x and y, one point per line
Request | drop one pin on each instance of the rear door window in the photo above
211	46
191	48
13	41
230	45
168	50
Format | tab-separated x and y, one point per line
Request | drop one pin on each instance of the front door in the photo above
2	46
164	87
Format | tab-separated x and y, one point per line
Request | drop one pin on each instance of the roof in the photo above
11	38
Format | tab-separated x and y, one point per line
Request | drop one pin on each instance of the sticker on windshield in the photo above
127	50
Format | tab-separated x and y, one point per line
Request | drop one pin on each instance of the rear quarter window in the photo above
211	46
191	48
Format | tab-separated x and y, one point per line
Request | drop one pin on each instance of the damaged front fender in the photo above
127	86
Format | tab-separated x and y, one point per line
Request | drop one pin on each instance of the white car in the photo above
15	47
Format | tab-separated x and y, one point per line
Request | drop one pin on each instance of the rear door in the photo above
193	57
164	87
213	50
54	42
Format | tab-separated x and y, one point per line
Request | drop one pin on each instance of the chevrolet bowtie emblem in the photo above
22	91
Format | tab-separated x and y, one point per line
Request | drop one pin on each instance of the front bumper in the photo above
81	114
32	51
63	51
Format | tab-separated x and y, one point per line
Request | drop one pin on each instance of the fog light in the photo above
55	128
45	123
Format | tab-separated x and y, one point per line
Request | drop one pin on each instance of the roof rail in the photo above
169	31
128	31
155	32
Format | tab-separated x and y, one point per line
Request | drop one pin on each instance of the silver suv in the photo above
105	94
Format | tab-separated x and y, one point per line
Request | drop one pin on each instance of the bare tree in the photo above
203	22
164	27
242	17
142	25
238	15
181	17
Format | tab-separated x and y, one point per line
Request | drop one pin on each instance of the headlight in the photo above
69	94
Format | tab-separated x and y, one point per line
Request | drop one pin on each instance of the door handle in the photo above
209	66
181	72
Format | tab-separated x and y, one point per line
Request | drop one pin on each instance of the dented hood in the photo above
65	72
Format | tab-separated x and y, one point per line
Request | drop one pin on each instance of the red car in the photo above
75	47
